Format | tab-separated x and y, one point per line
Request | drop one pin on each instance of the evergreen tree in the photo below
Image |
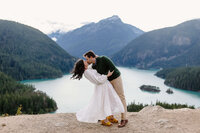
13	94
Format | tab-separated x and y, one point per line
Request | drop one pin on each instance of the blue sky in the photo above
51	15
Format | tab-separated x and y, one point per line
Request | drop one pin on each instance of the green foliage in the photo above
19	112
163	73
5	115
173	106
13	94
184	78
137	107
27	53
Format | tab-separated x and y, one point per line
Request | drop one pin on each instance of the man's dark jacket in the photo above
103	64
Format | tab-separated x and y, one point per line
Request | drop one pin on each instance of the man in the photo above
103	64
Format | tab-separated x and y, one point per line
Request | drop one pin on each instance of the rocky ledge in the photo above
151	119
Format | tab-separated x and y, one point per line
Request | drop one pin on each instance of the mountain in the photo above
168	47
186	78
13	94
27	53
105	37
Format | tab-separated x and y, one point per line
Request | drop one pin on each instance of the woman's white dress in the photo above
104	102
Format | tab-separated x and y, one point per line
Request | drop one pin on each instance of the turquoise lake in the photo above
72	95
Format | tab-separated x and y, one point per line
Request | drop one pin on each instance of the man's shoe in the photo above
123	123
112	119
106	123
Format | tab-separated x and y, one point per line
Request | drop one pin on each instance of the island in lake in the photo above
150	88
169	91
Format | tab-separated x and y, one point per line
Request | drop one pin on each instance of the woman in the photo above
104	102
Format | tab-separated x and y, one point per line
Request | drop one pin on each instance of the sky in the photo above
51	15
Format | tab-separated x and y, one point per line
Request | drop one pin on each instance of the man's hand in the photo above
110	73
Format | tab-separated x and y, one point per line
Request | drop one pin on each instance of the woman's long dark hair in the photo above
78	70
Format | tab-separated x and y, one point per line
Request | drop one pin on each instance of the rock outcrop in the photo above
151	119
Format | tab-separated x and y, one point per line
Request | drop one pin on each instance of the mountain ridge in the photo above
104	37
27	53
167	47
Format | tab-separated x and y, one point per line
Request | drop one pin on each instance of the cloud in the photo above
49	26
53	26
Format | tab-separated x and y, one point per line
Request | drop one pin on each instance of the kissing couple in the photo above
108	98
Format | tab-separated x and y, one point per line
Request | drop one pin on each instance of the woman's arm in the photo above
95	77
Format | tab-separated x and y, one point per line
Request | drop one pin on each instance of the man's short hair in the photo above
89	54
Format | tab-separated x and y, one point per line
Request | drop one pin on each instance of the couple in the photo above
108	98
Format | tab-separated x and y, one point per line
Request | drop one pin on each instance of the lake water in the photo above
72	95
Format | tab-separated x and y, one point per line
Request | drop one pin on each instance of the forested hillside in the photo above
27	53
13	94
187	78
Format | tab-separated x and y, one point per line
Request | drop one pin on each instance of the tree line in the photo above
133	107
13	94
187	78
